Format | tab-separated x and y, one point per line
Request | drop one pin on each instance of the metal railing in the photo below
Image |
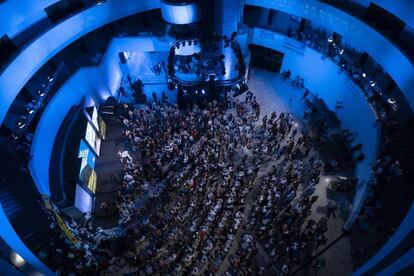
238	53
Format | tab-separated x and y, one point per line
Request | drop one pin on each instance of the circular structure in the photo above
206	138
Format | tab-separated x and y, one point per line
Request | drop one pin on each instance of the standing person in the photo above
249	97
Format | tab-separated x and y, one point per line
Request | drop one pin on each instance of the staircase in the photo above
18	197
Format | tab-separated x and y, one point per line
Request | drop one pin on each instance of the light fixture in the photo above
392	101
203	91
21	124
41	93
50	79
341	51
364	75
17	260
330	39
372	83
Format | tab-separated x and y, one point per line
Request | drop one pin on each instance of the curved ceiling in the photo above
18	15
30	60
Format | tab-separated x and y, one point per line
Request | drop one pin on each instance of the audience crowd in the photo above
205	190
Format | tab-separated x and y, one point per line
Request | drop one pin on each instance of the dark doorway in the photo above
266	58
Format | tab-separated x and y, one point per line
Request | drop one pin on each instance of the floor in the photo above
272	93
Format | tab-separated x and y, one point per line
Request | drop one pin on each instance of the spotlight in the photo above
364	75
40	93
21	124
392	101
296	124
196	92
330	39
341	51
17	260
372	83
203	91
327	180
50	79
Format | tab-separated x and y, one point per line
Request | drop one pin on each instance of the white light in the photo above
327	180
50	79
202	91
330	39
341	51
364	75
372	83
392	101
17	260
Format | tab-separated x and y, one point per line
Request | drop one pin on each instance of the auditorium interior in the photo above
219	137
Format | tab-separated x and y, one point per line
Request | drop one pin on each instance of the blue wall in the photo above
95	84
17	15
78	87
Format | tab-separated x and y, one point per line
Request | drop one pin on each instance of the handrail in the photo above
21	131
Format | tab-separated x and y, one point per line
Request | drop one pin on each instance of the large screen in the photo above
95	118
88	157
87	175
97	121
92	138
83	200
